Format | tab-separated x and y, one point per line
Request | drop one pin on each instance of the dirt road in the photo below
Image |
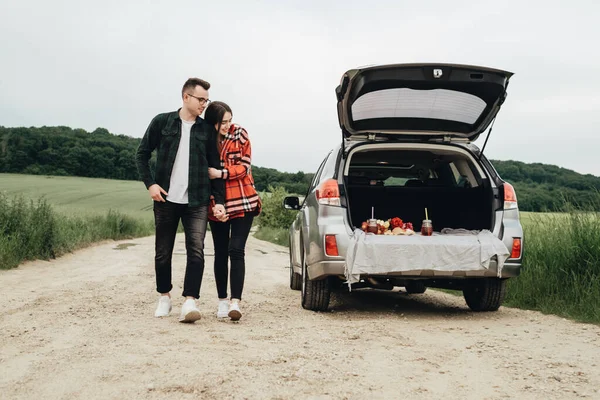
82	327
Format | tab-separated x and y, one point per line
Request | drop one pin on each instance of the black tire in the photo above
415	287
315	294
295	279
485	294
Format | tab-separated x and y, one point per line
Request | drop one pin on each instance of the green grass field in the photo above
81	196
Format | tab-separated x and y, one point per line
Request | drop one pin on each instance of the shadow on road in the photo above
372	302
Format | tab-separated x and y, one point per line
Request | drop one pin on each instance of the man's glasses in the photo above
202	100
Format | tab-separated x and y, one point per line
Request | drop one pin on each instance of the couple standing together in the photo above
202	176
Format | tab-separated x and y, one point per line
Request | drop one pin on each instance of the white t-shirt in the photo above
178	188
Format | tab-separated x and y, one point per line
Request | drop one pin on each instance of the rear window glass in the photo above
441	104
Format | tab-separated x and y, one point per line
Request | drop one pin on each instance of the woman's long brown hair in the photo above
214	116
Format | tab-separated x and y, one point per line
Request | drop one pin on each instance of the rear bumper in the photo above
333	221
511	270
323	269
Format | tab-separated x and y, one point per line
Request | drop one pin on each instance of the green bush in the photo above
273	214
274	222
33	230
28	230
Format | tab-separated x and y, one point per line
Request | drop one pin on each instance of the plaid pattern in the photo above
163	135
236	158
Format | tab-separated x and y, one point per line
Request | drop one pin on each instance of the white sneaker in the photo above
189	311
223	309
164	307
234	311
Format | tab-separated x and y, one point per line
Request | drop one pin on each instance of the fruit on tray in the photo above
396	223
392	226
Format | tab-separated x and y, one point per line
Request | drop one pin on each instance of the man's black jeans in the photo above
230	239
166	220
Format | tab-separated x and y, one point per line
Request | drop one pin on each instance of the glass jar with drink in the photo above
426	228
372	227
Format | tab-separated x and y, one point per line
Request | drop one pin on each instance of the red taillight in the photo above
516	248
331	248
510	197
329	193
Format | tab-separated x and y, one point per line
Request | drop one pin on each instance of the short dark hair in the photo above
192	83
214	113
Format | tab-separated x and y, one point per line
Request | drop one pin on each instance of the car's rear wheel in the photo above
315	293
415	287
295	278
485	294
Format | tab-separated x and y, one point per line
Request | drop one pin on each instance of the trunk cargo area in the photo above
402	183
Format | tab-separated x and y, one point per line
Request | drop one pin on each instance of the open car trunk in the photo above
401	181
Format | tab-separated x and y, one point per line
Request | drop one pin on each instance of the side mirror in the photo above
291	203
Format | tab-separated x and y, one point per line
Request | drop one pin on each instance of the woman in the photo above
242	204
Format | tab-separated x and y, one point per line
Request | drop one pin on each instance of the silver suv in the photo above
406	144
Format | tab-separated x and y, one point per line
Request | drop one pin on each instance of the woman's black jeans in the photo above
229	239
166	220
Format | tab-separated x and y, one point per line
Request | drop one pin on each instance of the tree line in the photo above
544	187
61	150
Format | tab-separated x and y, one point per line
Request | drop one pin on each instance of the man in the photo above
186	147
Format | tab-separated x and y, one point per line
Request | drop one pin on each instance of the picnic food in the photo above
392	226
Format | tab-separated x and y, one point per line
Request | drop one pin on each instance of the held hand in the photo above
214	173
155	192
219	213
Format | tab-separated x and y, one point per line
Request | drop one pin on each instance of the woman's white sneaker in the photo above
189	311
234	311
223	309
164	307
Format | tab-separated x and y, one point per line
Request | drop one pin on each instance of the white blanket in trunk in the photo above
382	254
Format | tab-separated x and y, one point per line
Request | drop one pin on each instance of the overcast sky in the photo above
116	64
